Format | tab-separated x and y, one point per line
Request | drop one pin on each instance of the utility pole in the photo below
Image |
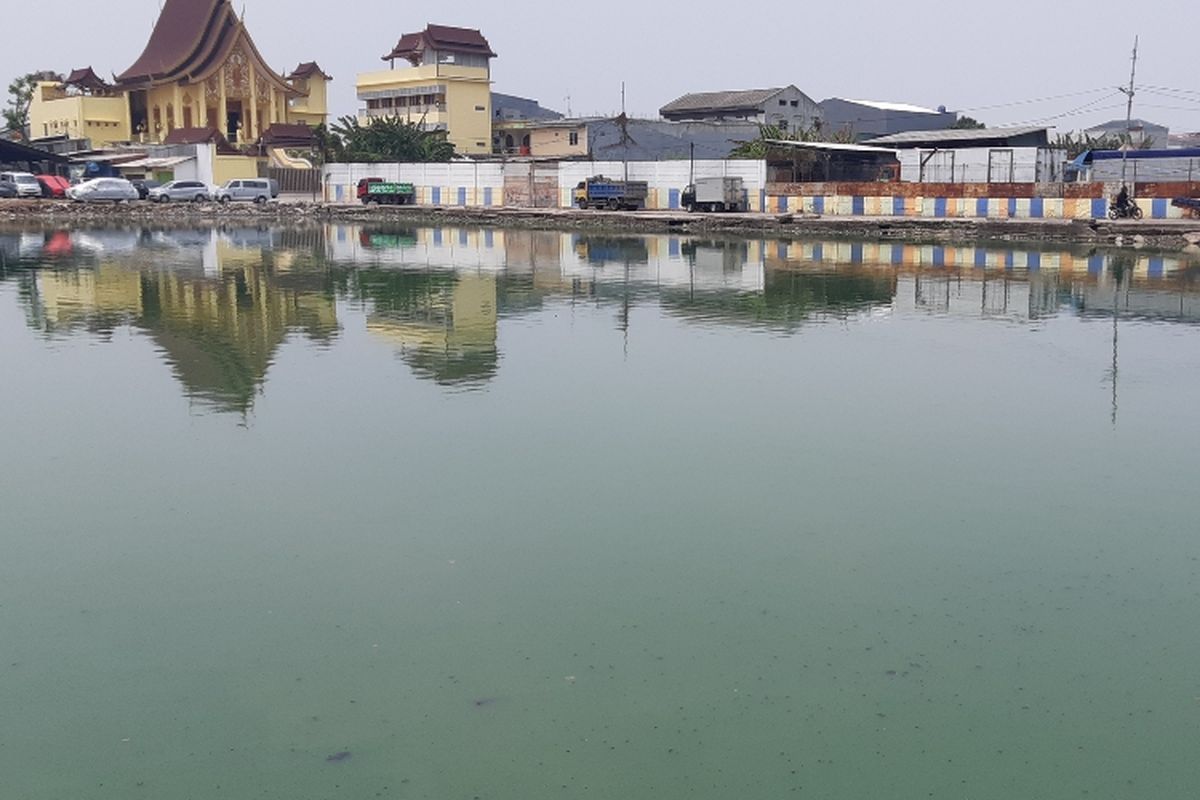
1129	93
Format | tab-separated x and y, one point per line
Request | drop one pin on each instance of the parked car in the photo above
254	190
7	190
24	182
185	191
53	186
99	189
143	186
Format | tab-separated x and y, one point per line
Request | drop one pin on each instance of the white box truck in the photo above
715	194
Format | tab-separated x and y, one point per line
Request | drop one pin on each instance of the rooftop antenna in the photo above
568	99
1130	92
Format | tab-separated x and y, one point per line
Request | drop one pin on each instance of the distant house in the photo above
987	155
620	139
870	119
510	107
787	108
1141	132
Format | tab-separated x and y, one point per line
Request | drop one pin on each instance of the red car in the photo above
53	185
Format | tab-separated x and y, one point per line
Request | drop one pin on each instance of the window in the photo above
480	108
573	138
783	102
795	104
783	125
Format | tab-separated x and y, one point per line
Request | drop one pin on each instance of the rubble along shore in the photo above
1167	235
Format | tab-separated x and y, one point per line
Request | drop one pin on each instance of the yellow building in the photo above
448	86
200	69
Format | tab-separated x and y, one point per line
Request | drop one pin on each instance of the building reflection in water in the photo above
216	304
219	303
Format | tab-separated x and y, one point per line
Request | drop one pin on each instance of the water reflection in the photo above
219	303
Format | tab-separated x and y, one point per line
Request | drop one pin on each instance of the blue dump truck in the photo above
602	192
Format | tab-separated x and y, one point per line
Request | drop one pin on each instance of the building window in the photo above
783	125
480	108
573	138
795	104
783	102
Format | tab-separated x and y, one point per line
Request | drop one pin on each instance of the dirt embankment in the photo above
1167	235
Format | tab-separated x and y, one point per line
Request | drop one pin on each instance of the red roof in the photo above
288	135
188	34
85	78
191	39
207	135
307	70
441	37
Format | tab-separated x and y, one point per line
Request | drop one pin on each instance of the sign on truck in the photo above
381	192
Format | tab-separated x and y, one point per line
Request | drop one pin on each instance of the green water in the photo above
536	515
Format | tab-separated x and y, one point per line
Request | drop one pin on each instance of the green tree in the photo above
388	139
757	148
20	96
968	124
1078	143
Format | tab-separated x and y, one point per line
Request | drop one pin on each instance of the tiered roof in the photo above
191	40
440	37
86	79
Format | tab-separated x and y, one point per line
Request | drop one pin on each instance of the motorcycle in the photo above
1130	210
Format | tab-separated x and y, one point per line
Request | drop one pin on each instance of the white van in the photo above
23	182
254	190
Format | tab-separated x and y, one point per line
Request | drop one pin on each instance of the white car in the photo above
23	182
185	191
99	189
255	190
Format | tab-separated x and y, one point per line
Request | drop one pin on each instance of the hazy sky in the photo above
982	58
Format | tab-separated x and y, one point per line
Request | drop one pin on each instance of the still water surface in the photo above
347	513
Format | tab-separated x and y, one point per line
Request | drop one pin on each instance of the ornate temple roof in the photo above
307	70
191	40
441	37
86	78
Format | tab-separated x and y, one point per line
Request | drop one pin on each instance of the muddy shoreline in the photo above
1164	235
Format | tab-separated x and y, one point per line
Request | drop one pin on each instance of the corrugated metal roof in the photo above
833	147
720	101
884	106
958	135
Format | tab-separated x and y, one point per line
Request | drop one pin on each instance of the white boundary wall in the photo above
482	184
455	184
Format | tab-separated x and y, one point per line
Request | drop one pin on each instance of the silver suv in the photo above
255	190
187	191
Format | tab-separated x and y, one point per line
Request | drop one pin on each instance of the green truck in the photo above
381	192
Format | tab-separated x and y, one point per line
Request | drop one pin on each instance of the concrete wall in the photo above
535	184
965	201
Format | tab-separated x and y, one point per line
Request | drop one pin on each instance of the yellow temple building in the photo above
200	69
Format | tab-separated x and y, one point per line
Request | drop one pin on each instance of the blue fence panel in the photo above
462	195
858	206
673	198
1037	208
1099	208
981	207
898	207
437	195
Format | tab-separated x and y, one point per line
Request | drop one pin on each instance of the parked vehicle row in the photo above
24	184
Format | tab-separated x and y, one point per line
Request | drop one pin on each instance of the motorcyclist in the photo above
1122	202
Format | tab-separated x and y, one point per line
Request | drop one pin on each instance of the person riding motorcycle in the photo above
1122	202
